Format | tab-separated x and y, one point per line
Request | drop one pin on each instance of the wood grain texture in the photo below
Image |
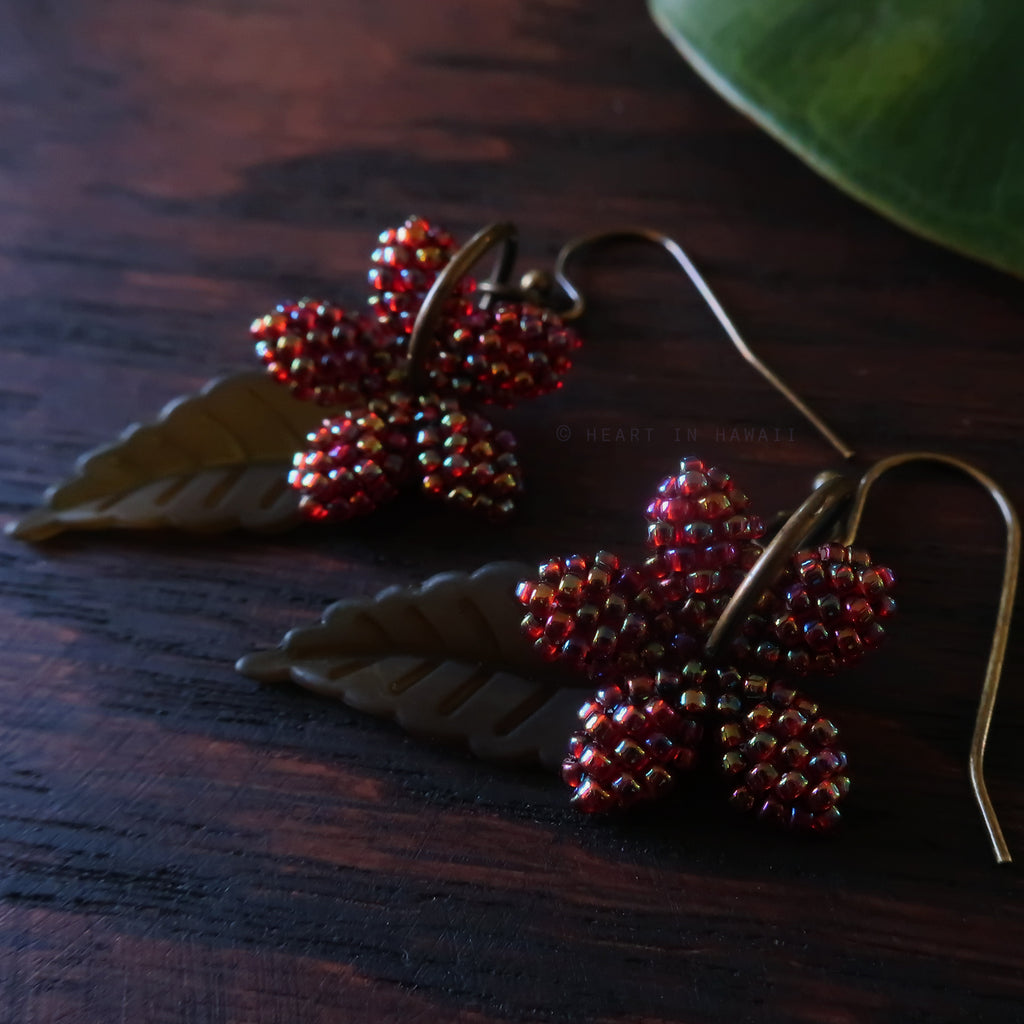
181	844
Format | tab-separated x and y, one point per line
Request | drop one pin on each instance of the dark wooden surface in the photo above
178	843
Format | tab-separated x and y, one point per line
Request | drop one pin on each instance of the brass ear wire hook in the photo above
997	654
820	507
428	318
538	285
832	492
676	251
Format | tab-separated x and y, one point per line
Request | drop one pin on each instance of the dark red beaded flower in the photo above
641	633
499	355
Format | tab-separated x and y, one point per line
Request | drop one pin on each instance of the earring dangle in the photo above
354	405
646	635
409	373
701	643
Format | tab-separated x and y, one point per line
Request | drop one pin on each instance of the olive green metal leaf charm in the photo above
215	460
445	659
912	106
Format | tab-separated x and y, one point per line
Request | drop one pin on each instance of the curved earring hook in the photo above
501	233
997	655
818	509
675	250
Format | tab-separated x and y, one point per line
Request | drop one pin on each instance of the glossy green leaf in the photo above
913	106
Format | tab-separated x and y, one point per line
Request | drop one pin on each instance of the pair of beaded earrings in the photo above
695	649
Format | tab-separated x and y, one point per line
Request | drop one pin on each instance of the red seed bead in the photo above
630	753
825	821
603	729
572	772
610	696
743	799
597	764
826	763
626	790
588	796
762	777
790	786
790	722
761	745
794	754
641	689
630	717
823	797
731	735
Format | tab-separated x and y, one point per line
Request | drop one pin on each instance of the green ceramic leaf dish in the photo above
915	107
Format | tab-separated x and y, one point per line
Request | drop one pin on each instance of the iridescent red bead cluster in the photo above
358	461
640	632
404	267
387	435
325	355
594	616
824	613
504	355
